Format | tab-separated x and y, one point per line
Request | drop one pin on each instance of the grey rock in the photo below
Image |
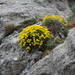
15	11
15	61
60	6
60	62
11	61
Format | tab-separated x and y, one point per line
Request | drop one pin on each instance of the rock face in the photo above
60	62
10	62
16	11
13	61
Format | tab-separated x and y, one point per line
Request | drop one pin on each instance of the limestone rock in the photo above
13	59
15	11
60	62
11	62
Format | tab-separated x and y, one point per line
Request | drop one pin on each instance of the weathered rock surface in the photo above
16	11
60	62
10	62
13	61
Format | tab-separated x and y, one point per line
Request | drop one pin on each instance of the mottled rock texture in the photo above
14	61
15	11
60	62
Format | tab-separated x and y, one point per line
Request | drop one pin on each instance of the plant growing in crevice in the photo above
35	37
56	24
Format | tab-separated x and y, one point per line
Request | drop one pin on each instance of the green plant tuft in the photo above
29	21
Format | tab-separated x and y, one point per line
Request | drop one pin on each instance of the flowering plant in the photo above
58	18
56	24
33	37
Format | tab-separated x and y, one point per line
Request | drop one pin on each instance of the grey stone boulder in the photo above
11	58
61	61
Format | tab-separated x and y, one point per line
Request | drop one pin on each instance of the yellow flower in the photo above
24	43
30	44
41	43
29	40
59	18
28	49
42	36
37	40
32	36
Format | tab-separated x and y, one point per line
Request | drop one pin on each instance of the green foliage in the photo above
50	42
69	19
29	21
59	41
70	22
53	43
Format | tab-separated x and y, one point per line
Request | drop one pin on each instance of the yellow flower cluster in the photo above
34	36
59	18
